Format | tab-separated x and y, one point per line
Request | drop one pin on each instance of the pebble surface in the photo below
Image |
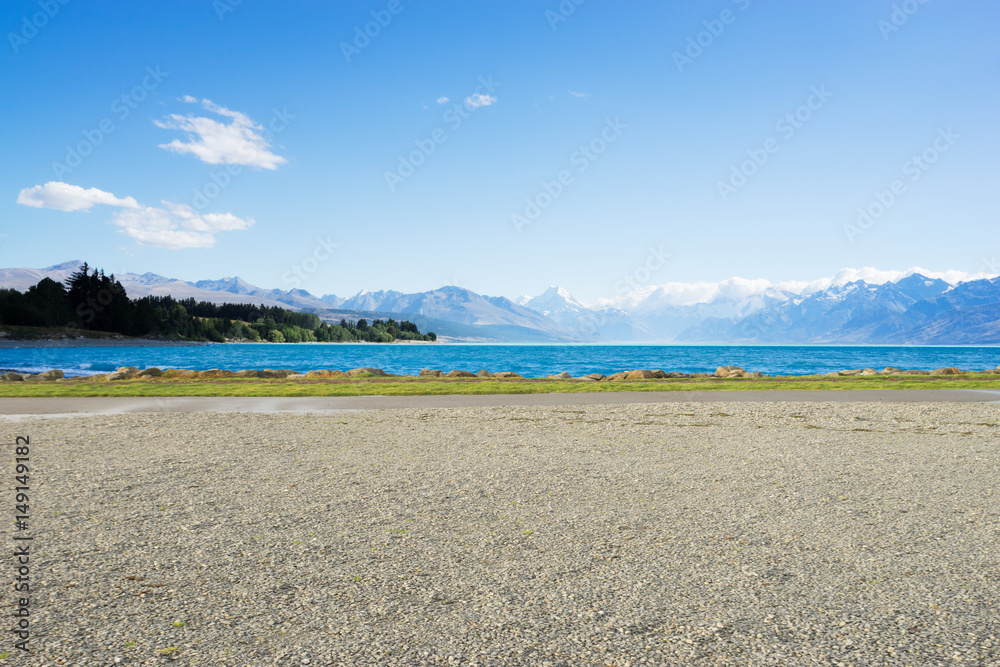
610	535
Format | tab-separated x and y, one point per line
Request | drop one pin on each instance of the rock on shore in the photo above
722	372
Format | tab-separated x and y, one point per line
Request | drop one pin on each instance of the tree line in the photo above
93	301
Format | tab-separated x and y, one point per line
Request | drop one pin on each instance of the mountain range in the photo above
913	309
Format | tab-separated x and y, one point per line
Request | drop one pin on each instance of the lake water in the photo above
527	360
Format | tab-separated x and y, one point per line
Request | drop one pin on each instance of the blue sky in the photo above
741	138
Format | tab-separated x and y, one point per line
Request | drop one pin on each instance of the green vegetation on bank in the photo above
411	386
95	305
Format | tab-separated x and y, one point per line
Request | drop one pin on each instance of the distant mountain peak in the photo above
234	284
556	291
72	265
554	300
148	278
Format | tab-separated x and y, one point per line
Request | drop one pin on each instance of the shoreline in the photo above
398	341
7	344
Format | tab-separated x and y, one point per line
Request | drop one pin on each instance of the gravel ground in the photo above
688	533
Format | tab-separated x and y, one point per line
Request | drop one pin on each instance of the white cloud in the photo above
689	294
443	100
238	141
582	96
175	227
479	100
65	197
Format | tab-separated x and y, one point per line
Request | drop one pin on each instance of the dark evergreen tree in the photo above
48	304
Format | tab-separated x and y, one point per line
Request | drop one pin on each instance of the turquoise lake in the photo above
527	360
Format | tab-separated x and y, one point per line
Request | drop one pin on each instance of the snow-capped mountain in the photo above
553	301
235	285
365	300
592	324
915	309
332	300
902	307
657	314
